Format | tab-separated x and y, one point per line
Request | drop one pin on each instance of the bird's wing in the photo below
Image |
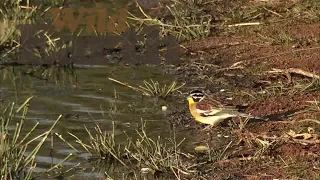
210	107
209	113
207	108
221	111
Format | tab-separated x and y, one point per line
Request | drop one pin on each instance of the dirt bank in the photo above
241	60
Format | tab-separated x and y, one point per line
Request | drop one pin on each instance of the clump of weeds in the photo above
18	156
11	15
189	21
14	13
142	154
60	75
153	88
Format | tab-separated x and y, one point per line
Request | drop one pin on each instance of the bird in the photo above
206	110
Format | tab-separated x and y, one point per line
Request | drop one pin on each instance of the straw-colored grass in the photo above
16	153
153	88
11	15
145	153
189	22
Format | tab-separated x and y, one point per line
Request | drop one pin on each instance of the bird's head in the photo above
195	96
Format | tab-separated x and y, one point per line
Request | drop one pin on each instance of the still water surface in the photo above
92	98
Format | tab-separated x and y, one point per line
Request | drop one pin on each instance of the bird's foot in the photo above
207	128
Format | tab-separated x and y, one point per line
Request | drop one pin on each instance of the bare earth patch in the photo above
237	60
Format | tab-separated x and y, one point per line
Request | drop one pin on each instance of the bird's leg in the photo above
207	127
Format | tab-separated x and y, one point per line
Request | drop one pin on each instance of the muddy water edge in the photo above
86	99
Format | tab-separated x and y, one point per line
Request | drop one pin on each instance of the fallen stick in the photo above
309	120
290	139
297	121
294	71
291	136
248	61
127	85
245	24
234	160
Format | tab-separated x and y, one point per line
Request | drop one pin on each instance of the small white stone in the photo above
164	108
145	170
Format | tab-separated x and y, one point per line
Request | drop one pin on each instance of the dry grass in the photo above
15	161
189	20
145	154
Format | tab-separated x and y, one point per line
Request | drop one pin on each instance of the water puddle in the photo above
83	101
91	99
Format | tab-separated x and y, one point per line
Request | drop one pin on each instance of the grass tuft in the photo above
157	154
17	159
188	20
101	143
153	88
11	15
144	153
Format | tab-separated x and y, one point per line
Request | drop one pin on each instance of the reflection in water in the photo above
94	99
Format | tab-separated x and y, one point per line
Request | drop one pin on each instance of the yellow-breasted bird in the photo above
208	111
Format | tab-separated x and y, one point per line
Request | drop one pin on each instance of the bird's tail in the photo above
250	116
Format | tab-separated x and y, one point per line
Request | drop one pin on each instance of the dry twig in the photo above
248	61
245	24
290	71
127	85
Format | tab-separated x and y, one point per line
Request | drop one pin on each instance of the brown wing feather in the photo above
210	104
211	107
205	107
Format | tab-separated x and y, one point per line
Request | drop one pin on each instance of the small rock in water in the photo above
261	92
145	170
164	108
201	148
127	124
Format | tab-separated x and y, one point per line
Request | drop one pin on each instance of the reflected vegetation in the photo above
91	107
75	121
123	121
